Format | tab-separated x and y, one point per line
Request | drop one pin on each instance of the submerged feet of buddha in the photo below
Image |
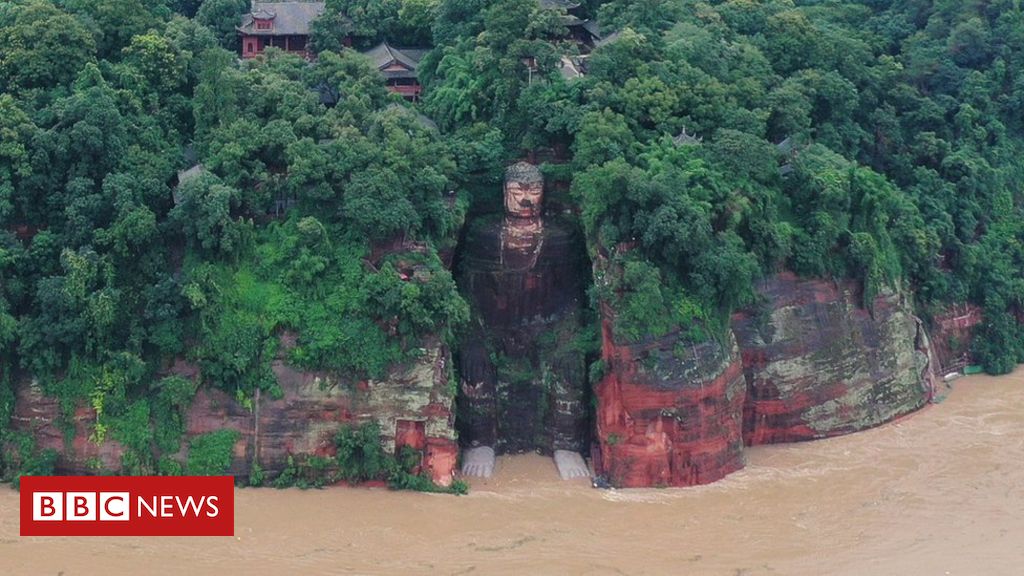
478	461
571	465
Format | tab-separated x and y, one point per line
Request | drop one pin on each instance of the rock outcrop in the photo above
810	362
668	414
952	333
37	414
817	363
412	405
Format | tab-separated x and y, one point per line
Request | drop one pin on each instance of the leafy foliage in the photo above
708	144
110	266
360	458
23	458
722	141
210	454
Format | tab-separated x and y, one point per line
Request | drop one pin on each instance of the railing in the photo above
411	92
959	364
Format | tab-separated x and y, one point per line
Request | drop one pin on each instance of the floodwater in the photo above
939	493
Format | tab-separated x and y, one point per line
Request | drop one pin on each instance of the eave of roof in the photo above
559	4
289	18
384	55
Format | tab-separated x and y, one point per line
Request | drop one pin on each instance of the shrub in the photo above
359	453
210	454
25	458
173	396
133	431
360	458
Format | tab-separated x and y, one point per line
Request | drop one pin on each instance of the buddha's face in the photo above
523	199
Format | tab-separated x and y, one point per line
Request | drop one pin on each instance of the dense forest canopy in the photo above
728	140
708	144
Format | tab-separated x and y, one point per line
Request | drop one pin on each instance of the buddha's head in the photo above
524	190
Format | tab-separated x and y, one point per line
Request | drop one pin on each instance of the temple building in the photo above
585	32
283	25
399	67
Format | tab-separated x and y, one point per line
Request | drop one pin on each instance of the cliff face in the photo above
38	414
413	406
810	363
668	415
818	364
952	333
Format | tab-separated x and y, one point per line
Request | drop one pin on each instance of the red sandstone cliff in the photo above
413	406
811	362
952	333
668	415
39	414
819	364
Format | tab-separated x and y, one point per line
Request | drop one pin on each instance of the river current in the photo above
937	493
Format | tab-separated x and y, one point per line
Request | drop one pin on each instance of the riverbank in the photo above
941	492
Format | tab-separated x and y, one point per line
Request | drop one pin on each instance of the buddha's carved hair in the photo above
524	172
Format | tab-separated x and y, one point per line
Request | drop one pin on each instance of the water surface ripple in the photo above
939	493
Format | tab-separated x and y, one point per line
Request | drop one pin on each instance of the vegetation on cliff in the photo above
115	260
721	141
709	143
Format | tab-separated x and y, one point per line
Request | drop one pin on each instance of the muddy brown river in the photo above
941	492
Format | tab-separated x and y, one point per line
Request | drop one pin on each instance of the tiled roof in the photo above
608	39
184	176
384	55
570	68
289	18
559	4
424	120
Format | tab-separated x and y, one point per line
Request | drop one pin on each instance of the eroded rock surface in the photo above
952	333
817	363
40	415
669	414
413	406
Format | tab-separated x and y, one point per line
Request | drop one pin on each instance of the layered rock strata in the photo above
810	362
818	363
669	414
413	406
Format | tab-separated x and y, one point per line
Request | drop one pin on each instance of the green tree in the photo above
41	47
113	23
223	17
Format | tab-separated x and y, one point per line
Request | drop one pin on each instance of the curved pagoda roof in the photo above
290	18
396	62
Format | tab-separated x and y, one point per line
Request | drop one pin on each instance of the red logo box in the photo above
127	506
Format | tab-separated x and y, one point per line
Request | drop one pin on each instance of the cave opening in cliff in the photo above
522	361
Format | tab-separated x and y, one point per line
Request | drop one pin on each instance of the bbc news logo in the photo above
127	506
81	506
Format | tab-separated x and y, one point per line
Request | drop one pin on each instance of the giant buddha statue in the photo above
522	273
